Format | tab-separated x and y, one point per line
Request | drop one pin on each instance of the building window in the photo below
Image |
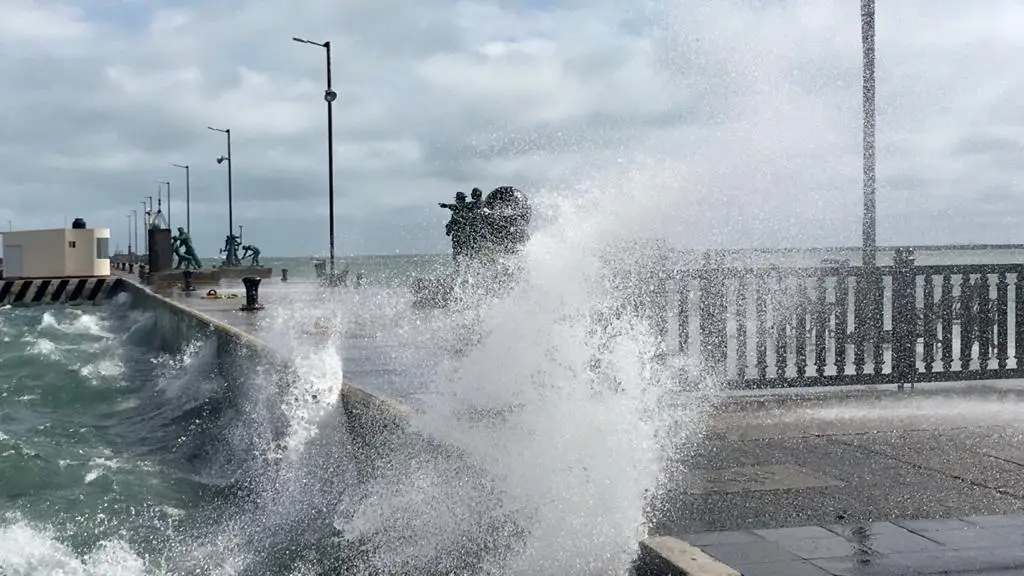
102	248
71	243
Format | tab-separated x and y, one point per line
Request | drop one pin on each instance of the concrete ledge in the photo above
667	556
369	414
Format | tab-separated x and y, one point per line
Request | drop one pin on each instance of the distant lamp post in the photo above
129	216
135	214
329	96
231	258
168	184
188	198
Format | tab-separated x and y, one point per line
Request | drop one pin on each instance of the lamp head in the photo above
221	159
330	96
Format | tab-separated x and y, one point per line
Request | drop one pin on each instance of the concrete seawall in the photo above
371	419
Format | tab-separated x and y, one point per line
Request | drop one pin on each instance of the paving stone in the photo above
750	553
885	538
799	568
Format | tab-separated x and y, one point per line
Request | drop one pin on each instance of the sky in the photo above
747	111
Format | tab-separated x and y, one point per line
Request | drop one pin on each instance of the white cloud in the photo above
742	116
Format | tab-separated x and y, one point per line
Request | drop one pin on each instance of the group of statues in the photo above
181	244
231	245
482	227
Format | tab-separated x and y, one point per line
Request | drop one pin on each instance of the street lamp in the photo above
867	38
188	198
232	256
145	223
135	213
129	216
329	96
168	184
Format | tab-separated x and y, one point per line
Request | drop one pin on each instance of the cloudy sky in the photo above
741	116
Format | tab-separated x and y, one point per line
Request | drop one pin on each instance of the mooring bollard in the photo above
131	267
186	278
142	271
284	274
252	294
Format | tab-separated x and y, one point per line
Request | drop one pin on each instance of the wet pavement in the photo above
971	545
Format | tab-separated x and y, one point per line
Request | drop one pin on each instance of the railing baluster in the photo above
966	322
1002	321
683	314
927	324
1018	320
800	329
761	326
741	328
947	303
878	344
860	323
820	325
983	296
842	320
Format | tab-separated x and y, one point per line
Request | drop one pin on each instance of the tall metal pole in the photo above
330	150
231	213
231	259
169	206
129	216
135	214
329	96
867	34
145	226
188	198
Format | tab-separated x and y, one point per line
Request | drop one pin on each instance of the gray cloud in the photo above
738	120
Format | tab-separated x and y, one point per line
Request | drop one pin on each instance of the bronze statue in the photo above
182	246
252	252
230	250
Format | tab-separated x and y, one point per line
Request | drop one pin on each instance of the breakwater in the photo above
73	291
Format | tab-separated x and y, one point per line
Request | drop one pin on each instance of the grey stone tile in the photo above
834	547
794	534
969	538
750	553
1000	558
798	568
921	526
867	566
938	562
885	538
996	521
721	537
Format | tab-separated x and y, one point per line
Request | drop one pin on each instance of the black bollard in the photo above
284	274
131	267
186	277
252	294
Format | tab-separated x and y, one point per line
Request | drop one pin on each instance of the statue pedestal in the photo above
239	272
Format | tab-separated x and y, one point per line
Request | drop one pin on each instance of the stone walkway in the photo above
987	545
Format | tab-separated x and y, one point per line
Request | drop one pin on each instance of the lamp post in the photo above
329	96
129	216
146	210
232	256
135	213
867	38
188	198
168	184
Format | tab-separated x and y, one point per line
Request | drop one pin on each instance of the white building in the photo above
58	253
